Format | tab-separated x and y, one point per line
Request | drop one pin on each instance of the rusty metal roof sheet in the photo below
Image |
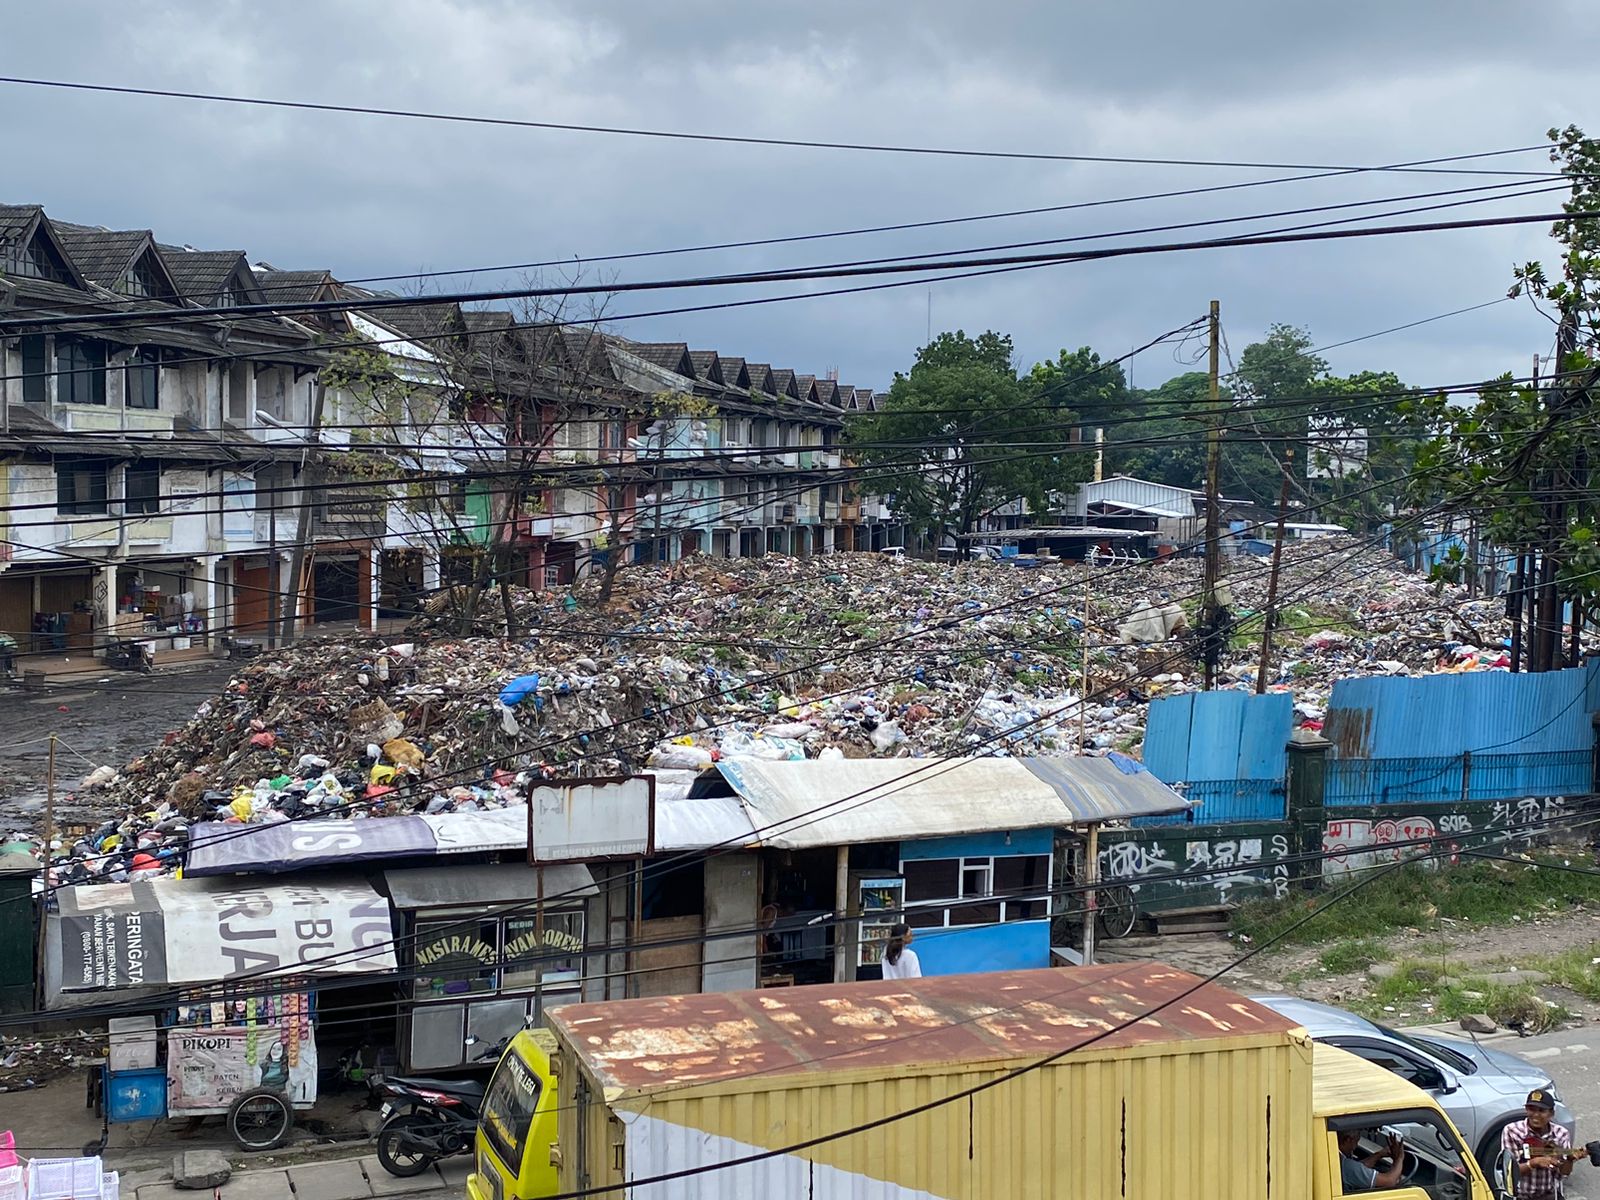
671	1041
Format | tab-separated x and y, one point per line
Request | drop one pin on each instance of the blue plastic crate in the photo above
136	1095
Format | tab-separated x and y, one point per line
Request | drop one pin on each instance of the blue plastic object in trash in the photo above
519	689
136	1095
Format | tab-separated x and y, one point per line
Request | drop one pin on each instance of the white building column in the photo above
206	603
105	603
827	539
375	576
432	571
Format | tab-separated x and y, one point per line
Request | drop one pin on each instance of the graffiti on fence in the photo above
1211	868
1518	817
1354	843
1134	860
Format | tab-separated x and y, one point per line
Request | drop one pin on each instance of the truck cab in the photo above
1353	1097
512	1159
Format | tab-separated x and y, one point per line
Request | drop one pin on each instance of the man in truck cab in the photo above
1360	1172
1537	1142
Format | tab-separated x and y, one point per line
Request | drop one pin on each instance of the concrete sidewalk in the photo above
338	1179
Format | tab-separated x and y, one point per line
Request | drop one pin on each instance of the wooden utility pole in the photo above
1272	580
1083	693
1210	615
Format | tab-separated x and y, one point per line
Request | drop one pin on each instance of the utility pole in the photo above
1554	507
274	575
1210	615
302	527
1083	693
49	837
1272	580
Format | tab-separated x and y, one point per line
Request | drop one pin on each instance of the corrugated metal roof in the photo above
815	802
668	1041
1115	788
491	883
1484	711
701	824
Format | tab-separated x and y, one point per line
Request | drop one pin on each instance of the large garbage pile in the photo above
851	655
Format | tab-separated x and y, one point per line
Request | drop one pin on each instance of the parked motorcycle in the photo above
425	1120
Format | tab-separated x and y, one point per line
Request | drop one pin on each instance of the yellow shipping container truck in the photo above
1168	1089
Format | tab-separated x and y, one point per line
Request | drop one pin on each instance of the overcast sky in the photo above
1365	82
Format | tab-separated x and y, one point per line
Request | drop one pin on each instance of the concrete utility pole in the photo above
1272	580
1210	616
49	837
302	526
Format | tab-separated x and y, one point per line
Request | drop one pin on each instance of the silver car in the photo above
1482	1089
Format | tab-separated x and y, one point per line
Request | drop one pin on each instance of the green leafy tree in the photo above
949	439
1165	443
1517	461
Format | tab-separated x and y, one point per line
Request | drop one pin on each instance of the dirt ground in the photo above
1458	947
96	722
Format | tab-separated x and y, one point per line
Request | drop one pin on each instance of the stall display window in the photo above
942	892
456	959
554	954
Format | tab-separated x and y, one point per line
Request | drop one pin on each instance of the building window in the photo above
81	487
141	488
144	378
976	891
80	371
142	279
36	260
35	369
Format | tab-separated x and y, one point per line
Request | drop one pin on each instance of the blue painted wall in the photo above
1014	946
981	845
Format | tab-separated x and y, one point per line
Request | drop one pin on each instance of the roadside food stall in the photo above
226	969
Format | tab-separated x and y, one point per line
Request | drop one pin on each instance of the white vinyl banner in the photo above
202	930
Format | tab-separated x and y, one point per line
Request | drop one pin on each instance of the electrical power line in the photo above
114	319
1427	166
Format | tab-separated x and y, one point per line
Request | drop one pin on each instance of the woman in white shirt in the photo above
899	959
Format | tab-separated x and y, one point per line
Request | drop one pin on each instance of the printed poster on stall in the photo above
208	1069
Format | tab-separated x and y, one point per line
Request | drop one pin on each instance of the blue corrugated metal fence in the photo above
1228	750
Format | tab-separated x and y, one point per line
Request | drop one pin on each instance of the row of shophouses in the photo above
172	474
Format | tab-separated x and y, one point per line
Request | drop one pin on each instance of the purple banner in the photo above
221	849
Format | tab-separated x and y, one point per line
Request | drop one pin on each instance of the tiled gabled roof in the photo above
706	365
102	254
17	219
673	356
202	274
827	393
761	378
846	397
734	373
293	287
783	384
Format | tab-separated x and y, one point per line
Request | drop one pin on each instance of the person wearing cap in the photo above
1534	1139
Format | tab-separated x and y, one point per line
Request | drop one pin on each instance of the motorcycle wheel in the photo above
396	1150
260	1119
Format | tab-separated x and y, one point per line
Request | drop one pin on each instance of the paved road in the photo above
1573	1058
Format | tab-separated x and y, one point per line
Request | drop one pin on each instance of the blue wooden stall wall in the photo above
1012	946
